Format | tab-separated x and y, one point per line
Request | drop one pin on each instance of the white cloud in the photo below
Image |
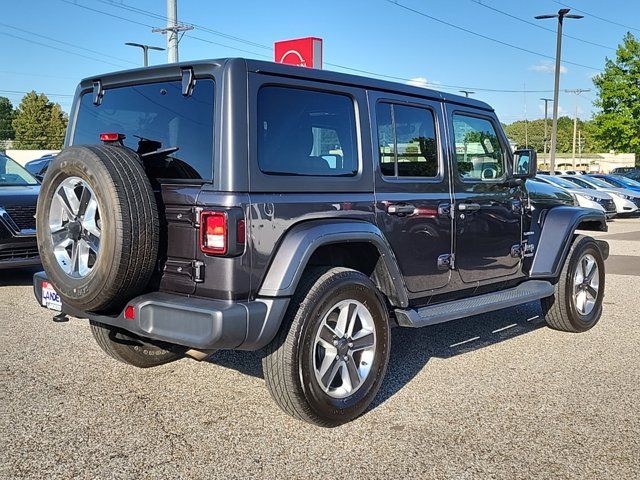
419	82
561	110
547	67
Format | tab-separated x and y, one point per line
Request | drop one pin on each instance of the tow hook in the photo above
61	317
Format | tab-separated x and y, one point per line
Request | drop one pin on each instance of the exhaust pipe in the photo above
199	355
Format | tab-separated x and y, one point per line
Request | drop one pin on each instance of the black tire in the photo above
560	310
129	219
132	350
289	361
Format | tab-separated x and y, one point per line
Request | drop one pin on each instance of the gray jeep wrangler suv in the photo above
240	204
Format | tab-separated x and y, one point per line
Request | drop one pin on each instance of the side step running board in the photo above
443	312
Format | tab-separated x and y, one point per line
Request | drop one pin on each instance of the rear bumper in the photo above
193	322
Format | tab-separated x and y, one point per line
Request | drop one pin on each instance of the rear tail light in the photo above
213	232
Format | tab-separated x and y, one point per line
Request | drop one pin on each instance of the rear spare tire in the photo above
97	226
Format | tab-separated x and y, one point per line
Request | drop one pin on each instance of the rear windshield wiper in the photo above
161	152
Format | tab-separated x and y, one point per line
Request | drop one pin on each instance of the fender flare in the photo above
301	242
554	241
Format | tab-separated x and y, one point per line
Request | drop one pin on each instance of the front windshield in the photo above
12	174
627	181
598	182
579	182
560	182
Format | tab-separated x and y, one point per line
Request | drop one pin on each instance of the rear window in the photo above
306	132
156	117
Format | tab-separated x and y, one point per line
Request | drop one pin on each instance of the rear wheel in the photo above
328	361
132	350
576	305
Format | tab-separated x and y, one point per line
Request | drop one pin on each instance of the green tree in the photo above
534	136
6	117
618	99
39	123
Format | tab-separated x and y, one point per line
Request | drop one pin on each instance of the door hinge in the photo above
446	261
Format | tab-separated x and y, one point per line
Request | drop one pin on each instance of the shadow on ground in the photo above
411	349
17	277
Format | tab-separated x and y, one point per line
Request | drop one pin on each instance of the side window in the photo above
305	132
479	155
407	141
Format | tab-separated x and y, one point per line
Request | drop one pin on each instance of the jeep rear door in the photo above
412	188
488	212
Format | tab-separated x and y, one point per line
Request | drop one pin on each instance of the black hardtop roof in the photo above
329	76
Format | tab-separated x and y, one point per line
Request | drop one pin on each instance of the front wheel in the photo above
576	305
328	361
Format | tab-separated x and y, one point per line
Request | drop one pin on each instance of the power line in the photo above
486	37
59	49
102	54
17	92
479	2
158	16
598	17
249	42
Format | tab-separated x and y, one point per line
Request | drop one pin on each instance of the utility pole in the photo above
172	31
580	144
145	51
577	92
546	121
561	15
466	92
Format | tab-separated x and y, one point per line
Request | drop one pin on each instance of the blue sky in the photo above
372	35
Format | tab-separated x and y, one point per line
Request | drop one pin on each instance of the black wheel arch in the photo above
307	242
556	230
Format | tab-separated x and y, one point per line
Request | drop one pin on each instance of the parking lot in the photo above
494	396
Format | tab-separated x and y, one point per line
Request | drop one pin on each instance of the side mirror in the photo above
525	163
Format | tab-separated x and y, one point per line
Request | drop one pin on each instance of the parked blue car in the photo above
619	181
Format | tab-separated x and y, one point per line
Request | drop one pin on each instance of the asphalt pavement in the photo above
493	396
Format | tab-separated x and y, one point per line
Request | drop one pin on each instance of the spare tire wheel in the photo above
97	226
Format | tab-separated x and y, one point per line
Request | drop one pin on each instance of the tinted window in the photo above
579	182
304	132
407	141
156	116
479	154
13	174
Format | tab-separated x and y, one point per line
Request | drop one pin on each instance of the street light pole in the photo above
561	15
467	92
145	51
546	121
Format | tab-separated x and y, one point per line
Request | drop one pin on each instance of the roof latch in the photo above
98	92
188	81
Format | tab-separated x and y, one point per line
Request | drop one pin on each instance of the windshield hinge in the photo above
188	81
98	92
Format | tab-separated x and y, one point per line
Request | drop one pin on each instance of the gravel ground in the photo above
494	396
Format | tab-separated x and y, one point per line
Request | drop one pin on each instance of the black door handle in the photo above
468	207
400	209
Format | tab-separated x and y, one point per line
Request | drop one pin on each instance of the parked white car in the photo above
627	201
586	197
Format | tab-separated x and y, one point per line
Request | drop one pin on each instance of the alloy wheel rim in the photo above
344	348
586	284
75	227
